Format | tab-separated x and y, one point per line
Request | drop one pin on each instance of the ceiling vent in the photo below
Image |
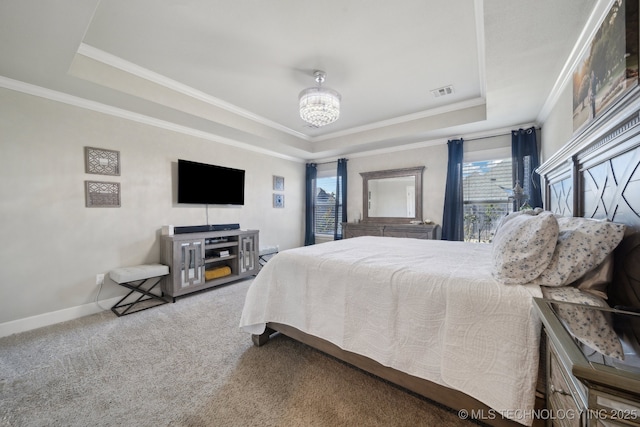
442	91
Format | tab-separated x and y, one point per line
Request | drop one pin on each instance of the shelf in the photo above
229	244
219	258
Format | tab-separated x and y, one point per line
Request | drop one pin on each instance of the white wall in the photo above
434	158
557	129
433	185
53	246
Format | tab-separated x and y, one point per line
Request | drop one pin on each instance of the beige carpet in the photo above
188	364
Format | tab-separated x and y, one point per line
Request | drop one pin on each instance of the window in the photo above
325	204
486	190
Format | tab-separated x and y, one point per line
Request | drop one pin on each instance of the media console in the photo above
202	260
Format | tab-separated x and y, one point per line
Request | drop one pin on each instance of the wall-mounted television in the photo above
200	183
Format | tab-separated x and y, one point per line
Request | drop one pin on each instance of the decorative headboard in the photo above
597	175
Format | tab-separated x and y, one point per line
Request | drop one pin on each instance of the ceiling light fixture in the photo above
319	105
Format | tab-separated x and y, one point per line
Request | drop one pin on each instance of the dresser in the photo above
583	386
415	231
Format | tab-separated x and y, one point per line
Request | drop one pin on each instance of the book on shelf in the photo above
221	253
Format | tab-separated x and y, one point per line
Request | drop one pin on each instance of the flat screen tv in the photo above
200	183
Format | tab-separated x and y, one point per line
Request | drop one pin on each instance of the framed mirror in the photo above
392	196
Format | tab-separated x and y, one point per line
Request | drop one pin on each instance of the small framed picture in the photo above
101	161
278	183
278	200
100	194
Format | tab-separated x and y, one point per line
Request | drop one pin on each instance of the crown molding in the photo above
429	143
76	101
475	102
479	9
144	73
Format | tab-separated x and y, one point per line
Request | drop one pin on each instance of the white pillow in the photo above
589	326
512	215
523	247
583	244
597	280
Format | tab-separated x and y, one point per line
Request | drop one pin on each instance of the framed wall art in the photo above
101	161
278	183
278	200
608	68
99	194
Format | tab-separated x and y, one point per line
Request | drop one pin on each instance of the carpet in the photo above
188	364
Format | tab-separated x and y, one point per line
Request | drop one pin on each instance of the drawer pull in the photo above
559	391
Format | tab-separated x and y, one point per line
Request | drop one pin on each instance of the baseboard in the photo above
51	318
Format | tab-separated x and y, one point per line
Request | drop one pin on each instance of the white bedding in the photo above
425	307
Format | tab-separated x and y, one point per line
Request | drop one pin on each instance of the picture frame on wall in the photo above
608	68
100	194
102	162
278	183
278	200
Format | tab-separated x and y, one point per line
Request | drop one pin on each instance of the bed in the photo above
450	320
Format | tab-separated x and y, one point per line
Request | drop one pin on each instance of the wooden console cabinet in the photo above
416	231
199	261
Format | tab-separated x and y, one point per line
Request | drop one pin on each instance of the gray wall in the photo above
53	246
435	174
557	129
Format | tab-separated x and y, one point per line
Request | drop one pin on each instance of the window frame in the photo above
502	152
321	174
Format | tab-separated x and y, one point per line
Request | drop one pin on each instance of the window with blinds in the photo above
487	187
325	205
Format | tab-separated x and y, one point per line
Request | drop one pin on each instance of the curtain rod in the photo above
465	139
493	136
326	163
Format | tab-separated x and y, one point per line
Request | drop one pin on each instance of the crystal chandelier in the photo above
319	105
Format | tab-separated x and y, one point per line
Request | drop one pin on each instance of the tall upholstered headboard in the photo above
597	175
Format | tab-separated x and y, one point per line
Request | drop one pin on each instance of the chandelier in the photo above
319	105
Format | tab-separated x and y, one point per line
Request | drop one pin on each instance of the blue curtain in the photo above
453	218
340	212
310	211
524	152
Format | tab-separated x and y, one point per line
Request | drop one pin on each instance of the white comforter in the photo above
428	308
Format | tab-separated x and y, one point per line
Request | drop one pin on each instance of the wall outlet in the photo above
99	279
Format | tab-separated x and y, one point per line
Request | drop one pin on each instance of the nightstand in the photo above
583	386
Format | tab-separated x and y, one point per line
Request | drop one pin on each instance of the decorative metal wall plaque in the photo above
102	162
100	194
278	200
278	183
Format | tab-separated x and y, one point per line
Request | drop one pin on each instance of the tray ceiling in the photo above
232	71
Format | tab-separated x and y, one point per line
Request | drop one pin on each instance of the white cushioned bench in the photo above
139	279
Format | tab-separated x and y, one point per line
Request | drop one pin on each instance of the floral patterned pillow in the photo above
523	247
597	280
512	215
588	326
583	244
